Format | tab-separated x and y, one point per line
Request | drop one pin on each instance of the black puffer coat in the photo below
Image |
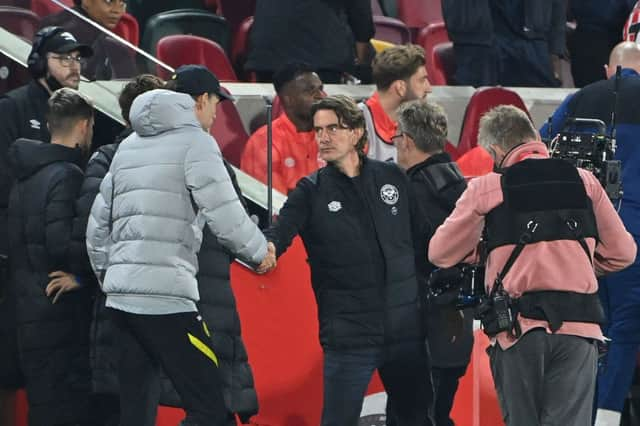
53	338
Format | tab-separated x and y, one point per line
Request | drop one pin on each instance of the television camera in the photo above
593	151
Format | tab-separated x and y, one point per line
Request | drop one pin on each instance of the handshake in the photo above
269	262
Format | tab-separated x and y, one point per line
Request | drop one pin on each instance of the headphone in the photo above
37	62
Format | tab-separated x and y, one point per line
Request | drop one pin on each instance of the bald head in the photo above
625	54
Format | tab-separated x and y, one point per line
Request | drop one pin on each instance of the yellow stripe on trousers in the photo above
202	347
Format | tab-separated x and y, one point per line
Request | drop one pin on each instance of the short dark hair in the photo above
396	63
288	73
137	86
65	108
349	115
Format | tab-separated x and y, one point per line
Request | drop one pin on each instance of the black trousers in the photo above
445	384
405	372
179	345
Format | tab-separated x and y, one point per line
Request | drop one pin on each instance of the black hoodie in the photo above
53	339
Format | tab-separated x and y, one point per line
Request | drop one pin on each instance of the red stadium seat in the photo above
44	8
128	29
419	13
432	35
391	30
429	38
21	22
441	66
482	101
196	22
176	50
240	48
229	132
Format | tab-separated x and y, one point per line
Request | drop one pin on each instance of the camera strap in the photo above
498	286
525	238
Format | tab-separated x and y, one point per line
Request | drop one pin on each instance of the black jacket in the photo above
437	185
321	33
358	236
103	356
23	116
217	306
53	338
476	21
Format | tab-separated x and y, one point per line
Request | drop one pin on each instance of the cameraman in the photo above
620	293
437	184
548	226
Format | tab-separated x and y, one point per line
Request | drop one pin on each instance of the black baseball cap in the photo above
65	42
196	80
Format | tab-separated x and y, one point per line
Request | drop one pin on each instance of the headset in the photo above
37	62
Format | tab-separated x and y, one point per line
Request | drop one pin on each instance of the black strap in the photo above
575	231
524	239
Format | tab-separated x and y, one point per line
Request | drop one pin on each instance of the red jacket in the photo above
295	154
552	265
475	162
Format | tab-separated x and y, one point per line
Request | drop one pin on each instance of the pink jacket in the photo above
553	265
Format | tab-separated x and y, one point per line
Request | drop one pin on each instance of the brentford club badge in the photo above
389	194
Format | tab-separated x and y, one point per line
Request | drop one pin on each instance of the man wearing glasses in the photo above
54	62
437	184
354	217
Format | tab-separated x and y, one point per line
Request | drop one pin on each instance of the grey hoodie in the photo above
166	181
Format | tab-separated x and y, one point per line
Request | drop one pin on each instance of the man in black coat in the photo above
54	62
52	305
331	35
437	184
354	217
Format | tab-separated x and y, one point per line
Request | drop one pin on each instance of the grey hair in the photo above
505	126
425	123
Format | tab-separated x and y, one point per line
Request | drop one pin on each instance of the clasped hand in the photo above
269	262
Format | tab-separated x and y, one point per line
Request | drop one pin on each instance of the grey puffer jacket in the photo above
165	182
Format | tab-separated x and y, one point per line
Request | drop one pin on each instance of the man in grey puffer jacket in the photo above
165	182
